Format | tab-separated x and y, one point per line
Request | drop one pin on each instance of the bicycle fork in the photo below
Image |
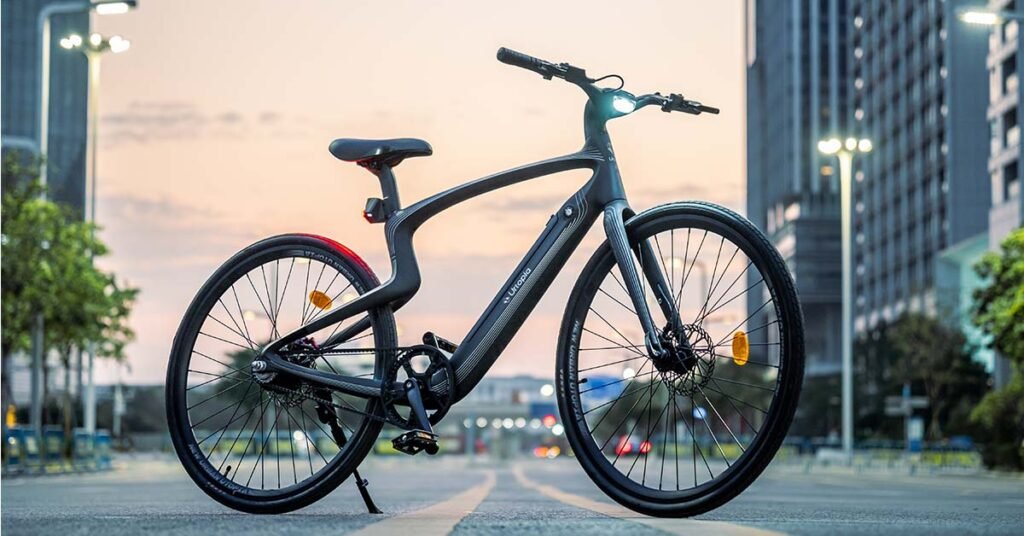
614	227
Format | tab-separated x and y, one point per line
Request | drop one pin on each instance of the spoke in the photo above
270	303
616	300
230	420
215	360
238	329
734	408
717	307
306	303
704	314
623	421
650	398
245	450
628	359
291	446
693	430
602	386
623	395
770	390
624	338
259	298
309	454
193	406
748	362
224	340
321	311
745	320
686	276
284	291
211	380
632	347
240	432
222	410
241	313
727	427
727	395
664	269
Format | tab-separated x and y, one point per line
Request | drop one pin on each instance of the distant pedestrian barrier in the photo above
25	455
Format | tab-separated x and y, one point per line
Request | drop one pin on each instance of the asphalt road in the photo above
426	496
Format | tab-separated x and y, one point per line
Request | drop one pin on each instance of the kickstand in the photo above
328	417
365	493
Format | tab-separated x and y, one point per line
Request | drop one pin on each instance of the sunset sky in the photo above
215	126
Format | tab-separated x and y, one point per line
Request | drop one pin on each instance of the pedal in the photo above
430	338
414	441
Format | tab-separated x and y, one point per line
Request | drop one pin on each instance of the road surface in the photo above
426	496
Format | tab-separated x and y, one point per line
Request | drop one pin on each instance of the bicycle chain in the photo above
343	351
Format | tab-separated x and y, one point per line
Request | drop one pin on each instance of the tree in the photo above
999	311
48	270
937	357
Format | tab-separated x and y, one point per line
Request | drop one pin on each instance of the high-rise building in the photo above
797	91
1005	115
919	92
19	86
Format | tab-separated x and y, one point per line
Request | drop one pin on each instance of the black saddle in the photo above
374	153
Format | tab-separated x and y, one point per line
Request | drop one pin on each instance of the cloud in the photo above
145	122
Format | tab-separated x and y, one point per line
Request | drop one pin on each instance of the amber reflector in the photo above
740	348
320	300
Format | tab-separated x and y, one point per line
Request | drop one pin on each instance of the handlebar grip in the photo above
518	59
708	109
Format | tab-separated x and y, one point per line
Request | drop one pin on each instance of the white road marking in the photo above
436	519
669	525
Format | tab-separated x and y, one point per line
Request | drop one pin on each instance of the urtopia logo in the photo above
517	285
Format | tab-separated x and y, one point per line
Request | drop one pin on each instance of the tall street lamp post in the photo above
844	151
101	7
93	49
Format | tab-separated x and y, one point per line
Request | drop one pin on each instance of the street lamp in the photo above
844	151
987	17
102	7
93	48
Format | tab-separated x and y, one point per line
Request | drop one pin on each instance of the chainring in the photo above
437	398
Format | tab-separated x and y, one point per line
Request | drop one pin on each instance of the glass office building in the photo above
68	95
919	91
797	93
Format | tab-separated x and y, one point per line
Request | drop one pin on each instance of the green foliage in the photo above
48	270
999	311
934	358
1000	305
1000	415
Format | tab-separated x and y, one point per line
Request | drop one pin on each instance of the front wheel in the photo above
679	438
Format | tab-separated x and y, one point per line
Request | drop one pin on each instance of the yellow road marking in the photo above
671	526
439	518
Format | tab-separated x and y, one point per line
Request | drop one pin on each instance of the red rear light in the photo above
623	447
645	447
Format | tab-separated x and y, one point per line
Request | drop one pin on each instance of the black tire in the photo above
584	432
197	455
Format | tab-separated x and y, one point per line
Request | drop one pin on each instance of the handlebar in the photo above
578	76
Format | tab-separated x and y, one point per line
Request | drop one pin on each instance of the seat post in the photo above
388	188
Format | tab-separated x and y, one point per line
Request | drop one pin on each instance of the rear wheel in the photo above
263	446
681	440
